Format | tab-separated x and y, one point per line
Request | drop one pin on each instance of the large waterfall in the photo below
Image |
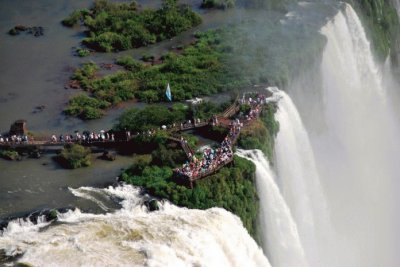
356	152
132	236
299	179
280	235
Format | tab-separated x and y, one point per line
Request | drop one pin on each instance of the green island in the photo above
122	26
74	156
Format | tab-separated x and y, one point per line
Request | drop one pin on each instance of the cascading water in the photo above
299	180
279	231
356	152
133	236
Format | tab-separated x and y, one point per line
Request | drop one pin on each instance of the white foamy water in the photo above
132	236
299	179
279	231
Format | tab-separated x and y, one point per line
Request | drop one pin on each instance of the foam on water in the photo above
133	236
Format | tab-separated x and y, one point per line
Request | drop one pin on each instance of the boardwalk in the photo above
212	161
215	159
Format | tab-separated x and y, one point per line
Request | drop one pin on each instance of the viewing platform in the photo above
211	162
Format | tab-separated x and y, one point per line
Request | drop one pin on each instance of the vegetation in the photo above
130	63
74	156
85	107
201	69
219	4
75	18
10	155
154	116
232	188
380	17
121	26
82	52
261	133
138	120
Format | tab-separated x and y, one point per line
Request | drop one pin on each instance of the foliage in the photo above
221	60
75	156
231	188
167	156
199	70
219	4
261	133
85	107
9	154
75	18
121	26
129	63
139	163
151	117
206	110
85	74
148	58
83	52
154	116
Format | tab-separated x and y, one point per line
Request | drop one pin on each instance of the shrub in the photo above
139	163
129	63
121	26
261	133
75	18
82	52
85	107
10	155
147	58
75	156
220	4
231	188
151	117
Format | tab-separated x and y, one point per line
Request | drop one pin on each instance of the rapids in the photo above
132	236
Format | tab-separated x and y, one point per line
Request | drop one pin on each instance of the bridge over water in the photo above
174	134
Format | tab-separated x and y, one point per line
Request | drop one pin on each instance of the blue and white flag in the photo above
168	93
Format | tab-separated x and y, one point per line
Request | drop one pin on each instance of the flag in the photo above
168	93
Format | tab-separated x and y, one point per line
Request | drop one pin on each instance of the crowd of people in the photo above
86	136
15	139
213	158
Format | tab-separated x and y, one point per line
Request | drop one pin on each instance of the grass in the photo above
121	26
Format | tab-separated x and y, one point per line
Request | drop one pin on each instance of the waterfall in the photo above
280	235
132	236
356	153
397	6
299	179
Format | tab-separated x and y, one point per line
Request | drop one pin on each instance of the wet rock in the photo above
41	107
13	32
74	84
23	264
35	154
52	215
152	205
110	156
107	66
20	28
35	30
